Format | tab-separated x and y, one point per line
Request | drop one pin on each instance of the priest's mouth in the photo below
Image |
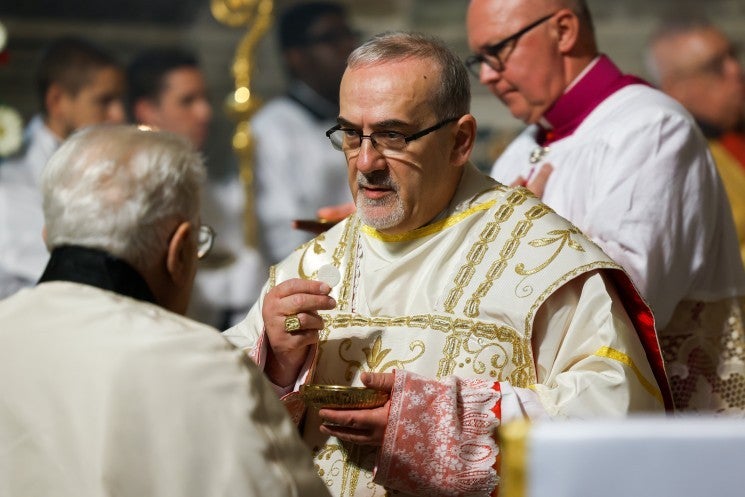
375	192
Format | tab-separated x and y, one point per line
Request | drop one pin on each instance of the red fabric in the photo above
643	320
735	145
441	437
568	112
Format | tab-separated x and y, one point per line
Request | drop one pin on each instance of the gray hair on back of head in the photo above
453	96
122	190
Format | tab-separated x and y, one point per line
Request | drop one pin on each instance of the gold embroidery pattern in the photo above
473	304
348	465
429	229
374	357
351	230
563	237
272	276
316	245
317	249
560	281
476	254
624	359
464	335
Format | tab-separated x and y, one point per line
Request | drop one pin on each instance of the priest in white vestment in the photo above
627	165
107	390
468	302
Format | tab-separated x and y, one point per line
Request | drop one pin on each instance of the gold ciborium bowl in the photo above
342	397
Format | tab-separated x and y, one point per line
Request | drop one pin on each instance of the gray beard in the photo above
392	203
395	211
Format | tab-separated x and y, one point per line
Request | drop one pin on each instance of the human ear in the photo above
182	254
54	100
465	136
567	30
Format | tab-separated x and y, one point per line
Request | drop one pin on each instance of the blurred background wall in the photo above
127	26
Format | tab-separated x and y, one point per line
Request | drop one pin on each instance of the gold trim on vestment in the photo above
429	229
476	254
564	237
473	305
619	356
560	281
272	276
462	333
350	231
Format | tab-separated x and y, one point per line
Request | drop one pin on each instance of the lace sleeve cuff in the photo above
440	438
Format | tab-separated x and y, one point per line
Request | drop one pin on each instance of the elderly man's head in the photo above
411	93
695	63
133	194
527	52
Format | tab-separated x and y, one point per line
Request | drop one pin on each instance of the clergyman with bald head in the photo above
629	167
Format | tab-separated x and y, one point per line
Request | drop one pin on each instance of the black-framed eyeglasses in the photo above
348	139
495	55
205	239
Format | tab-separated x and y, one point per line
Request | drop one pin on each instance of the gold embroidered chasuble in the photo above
456	297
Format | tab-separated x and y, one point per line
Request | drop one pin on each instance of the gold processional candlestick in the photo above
256	16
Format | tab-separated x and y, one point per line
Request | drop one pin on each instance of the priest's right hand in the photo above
288	347
536	183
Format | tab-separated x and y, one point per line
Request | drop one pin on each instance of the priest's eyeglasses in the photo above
205	239
495	55
348	139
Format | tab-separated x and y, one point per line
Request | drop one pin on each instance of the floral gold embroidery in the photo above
475	338
563	237
374	357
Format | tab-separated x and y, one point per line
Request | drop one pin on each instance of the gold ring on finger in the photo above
292	323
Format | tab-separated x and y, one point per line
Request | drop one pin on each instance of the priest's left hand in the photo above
360	426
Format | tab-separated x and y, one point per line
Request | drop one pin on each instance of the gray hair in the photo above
453	96
669	29
122	190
